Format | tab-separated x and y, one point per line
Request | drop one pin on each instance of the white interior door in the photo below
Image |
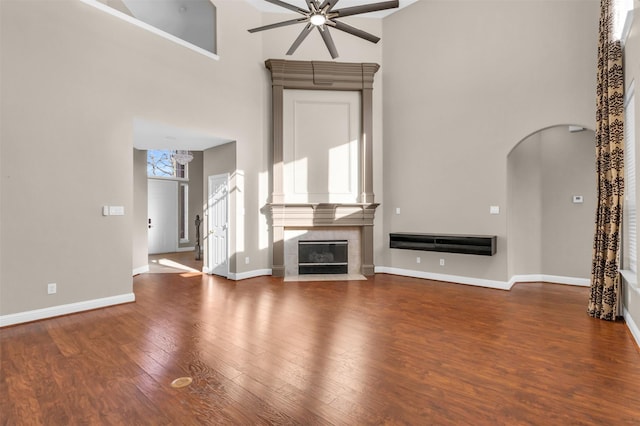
163	216
218	209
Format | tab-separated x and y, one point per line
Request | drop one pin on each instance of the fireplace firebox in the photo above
323	257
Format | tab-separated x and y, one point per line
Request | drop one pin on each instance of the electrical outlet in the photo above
397	210
246	260
441	262
418	260
51	288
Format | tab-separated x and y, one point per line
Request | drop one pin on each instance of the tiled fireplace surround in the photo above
351	221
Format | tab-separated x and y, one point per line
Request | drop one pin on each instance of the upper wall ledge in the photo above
138	23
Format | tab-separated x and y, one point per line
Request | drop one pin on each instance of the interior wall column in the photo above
366	146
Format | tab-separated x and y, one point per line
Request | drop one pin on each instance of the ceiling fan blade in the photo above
365	8
354	31
277	25
288	6
312	5
330	3
328	40
305	32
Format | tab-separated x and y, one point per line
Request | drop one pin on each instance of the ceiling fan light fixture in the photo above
322	15
318	19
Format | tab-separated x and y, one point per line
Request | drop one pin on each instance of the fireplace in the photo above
323	257
323	212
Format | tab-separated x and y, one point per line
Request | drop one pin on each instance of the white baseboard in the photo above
502	285
180	249
555	279
71	308
633	327
249	274
141	270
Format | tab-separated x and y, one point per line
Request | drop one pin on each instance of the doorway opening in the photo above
551	191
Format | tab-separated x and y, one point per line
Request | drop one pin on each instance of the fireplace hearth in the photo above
323	257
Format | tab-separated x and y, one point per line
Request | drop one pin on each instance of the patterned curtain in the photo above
605	280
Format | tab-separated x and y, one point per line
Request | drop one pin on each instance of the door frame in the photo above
207	268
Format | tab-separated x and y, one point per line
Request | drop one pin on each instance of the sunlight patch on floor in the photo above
168	265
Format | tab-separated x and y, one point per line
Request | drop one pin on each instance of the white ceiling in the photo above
151	135
270	7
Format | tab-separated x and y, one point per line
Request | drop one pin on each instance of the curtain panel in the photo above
605	278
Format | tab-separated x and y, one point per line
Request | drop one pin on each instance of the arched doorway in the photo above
551	190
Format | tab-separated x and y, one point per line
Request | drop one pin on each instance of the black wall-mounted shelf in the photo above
484	245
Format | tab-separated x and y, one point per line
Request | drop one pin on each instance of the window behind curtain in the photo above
630	180
621	8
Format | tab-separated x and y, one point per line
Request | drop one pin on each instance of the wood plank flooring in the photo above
389	350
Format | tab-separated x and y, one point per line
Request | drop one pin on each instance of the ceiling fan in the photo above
322	16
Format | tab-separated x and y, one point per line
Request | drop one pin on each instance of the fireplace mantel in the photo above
322	214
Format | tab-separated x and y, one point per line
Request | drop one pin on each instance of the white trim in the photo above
186	249
554	279
249	274
71	308
479	282
140	270
635	331
626	29
630	277
150	28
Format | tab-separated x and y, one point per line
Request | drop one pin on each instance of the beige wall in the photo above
568	169
470	80
196	184
460	89
548	233
73	79
140	211
524	209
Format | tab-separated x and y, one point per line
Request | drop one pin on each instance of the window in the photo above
160	163
630	219
620	10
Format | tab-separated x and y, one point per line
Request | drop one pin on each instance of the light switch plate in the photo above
116	210
494	210
105	210
578	199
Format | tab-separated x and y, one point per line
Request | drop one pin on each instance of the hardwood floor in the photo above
390	350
